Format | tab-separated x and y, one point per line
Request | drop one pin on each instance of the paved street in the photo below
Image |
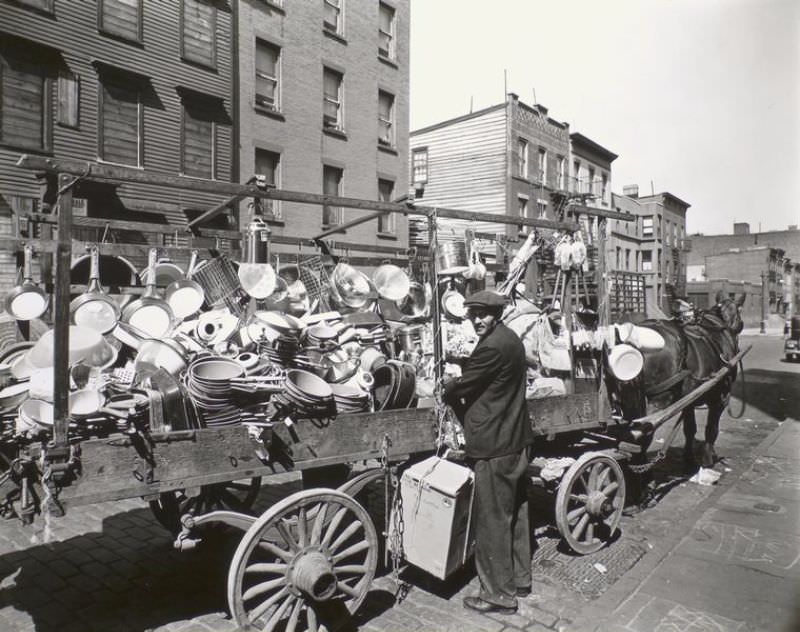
724	557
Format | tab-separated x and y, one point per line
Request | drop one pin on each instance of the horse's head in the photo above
730	311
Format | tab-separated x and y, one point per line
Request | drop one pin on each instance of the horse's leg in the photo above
712	432
689	430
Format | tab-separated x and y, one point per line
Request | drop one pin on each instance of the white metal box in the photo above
436	516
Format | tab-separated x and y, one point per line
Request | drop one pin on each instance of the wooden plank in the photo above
61	320
111	468
564	413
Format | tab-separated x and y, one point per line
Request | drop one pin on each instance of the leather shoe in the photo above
523	591
481	605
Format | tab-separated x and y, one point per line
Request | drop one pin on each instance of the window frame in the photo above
214	45
101	133
273	207
522	157
68	99
45	6
391	53
391	141
542	165
419	151
576	167
137	38
335	213
591	174
338	6
45	144
214	147
647	265
562	173
276	79
541	209
338	102
387	223
522	205
648	228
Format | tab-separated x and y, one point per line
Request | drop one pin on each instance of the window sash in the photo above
332	99
199	32
25	109
385	118
267	75
419	162
543	165
332	185
122	18
387	222
267	164
332	16
522	207
522	150
542	207
386	31
198	142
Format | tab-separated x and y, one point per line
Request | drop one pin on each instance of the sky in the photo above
700	98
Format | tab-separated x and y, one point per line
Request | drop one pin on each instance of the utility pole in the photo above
764	299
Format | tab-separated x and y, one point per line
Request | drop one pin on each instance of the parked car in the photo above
791	349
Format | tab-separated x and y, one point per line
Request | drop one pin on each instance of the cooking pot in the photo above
351	288
451	258
418	301
114	270
150	313
184	296
94	308
27	300
85	346
164	272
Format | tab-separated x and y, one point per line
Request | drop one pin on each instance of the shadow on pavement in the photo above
776	393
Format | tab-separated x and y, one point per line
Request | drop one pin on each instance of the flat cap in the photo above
485	298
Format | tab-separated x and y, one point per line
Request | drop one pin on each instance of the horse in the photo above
692	352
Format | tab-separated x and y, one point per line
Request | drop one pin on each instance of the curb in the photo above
599	615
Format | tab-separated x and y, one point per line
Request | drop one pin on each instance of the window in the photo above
541	206
68	99
268	75
647	260
385	31
199	32
627	258
666	232
419	165
522	206
332	89
542	165
331	185
591	187
267	165
604	189
386	223
332	19
619	258
122	18
647	226
198	139
120	134
385	118
562	173
25	109
522	158
576	174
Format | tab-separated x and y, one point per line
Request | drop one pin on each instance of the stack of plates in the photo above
307	395
208	381
349	399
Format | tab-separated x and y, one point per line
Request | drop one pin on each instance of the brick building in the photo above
148	85
323	108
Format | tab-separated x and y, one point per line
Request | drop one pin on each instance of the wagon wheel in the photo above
235	496
305	564
589	502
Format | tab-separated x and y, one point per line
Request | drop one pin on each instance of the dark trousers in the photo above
502	530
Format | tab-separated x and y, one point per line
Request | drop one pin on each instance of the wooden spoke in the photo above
260	589
283	529
575	514
356	548
593	472
266	567
272	594
350	531
261	608
333	526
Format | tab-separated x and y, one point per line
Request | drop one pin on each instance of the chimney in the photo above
542	109
631	190
741	228
513	96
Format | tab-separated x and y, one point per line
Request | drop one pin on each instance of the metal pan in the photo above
89	402
150	313
185	296
94	308
27	300
256	275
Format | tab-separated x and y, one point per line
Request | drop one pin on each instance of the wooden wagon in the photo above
310	558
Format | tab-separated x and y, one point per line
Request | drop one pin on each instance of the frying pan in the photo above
255	274
26	301
94	308
150	313
89	402
185	296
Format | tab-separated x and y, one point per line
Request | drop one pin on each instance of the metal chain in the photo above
393	520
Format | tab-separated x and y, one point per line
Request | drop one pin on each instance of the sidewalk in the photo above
736	568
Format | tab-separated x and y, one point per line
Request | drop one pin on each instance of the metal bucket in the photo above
451	257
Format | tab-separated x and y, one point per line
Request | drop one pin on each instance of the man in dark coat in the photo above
490	395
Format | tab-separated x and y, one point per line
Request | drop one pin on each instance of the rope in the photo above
744	395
